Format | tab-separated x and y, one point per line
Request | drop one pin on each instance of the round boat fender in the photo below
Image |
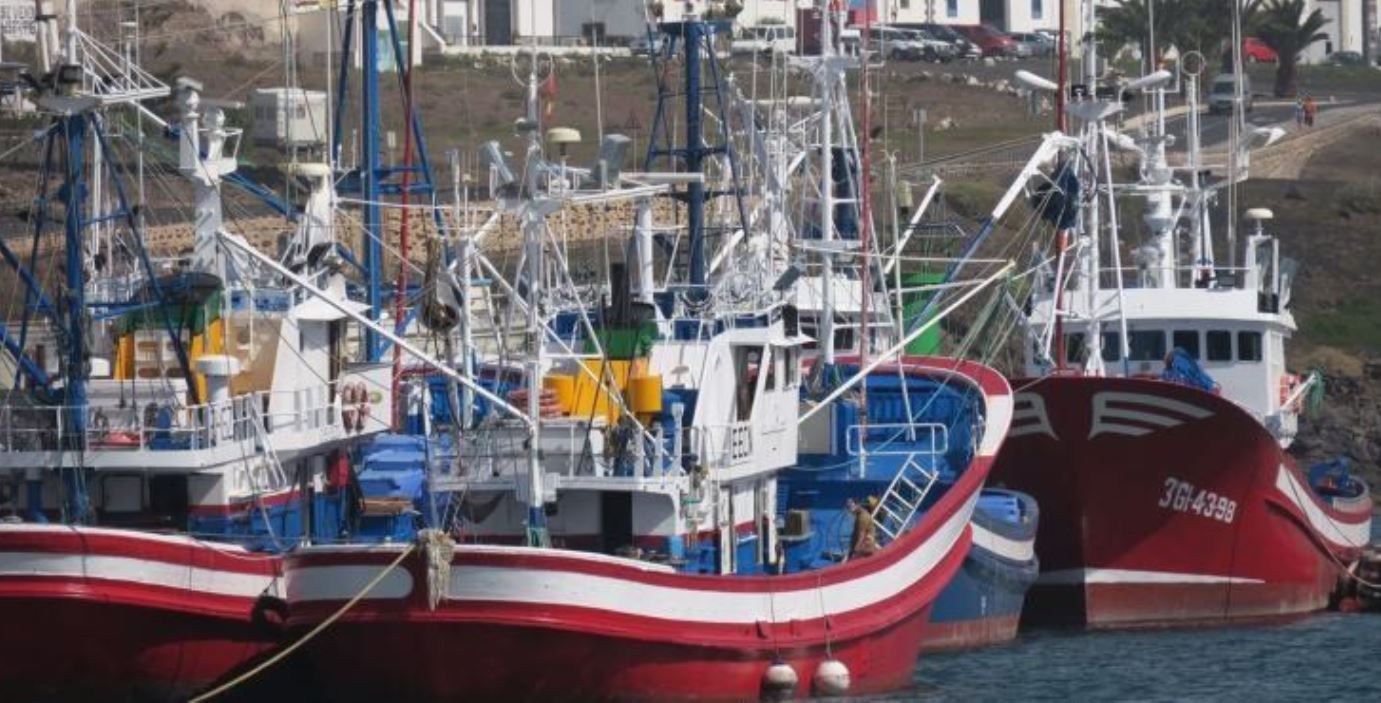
779	681
269	614
832	678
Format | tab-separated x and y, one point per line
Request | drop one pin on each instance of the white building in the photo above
472	23
288	117
930	11
599	21
1343	32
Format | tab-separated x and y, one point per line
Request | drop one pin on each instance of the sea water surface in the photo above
1329	656
1326	656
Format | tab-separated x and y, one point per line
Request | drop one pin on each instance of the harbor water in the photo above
1321	657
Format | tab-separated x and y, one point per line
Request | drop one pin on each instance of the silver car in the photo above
1222	93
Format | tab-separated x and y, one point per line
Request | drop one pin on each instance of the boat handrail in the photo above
908	432
170	426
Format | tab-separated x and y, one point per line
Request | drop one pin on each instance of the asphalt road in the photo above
1213	129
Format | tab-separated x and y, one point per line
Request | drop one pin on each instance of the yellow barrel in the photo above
645	394
564	388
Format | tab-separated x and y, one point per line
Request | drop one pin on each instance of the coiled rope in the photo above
311	634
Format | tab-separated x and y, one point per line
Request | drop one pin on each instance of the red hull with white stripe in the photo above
549	624
96	613
1165	505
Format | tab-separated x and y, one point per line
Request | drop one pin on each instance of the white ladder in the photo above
903	498
276	478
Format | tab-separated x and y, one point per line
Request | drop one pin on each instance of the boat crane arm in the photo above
1051	144
915	221
382	331
901	345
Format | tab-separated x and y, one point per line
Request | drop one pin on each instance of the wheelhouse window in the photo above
793	368
1219	343
1188	340
1074	348
1112	346
1249	346
747	365
1146	345
844	339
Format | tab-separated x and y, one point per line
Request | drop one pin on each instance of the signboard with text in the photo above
17	20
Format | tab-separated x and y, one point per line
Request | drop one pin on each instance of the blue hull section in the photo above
982	605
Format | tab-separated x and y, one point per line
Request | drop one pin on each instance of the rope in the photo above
283	653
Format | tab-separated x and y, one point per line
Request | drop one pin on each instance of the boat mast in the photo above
371	179
1062	235
400	292
827	207
865	214
534	223
1234	138
1093	343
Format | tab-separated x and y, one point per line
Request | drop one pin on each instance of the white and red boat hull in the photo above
1166	505
98	613
547	624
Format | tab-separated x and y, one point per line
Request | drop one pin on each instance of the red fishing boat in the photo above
534	623
1167	504
1154	425
146	615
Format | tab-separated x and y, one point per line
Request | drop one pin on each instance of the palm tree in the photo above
1125	22
1286	29
1189	25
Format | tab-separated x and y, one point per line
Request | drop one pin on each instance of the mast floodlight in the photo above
1035	82
1150	80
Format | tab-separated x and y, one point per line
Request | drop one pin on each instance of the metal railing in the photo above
900	439
167	427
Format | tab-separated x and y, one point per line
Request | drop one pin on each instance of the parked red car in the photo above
1255	51
989	40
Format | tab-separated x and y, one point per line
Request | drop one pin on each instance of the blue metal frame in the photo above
698	39
70	313
31	287
372	179
76	504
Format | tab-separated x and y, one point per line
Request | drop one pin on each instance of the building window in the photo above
951	8
1037	9
1219	346
1147	345
1188	340
905	4
1249	346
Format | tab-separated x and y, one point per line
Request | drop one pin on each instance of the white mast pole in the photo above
533	226
71	31
826	326
1093	341
467	397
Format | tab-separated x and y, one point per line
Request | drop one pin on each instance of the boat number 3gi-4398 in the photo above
1182	496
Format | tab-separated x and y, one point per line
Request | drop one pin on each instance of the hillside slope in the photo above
1330	222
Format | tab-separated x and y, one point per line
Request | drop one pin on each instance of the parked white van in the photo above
765	39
